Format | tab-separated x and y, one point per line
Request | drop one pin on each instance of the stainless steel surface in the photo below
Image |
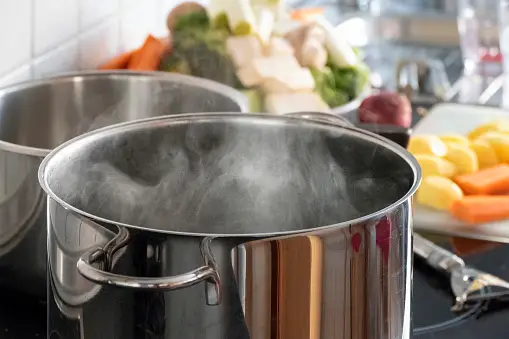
318	116
319	257
468	284
412	76
207	273
436	256
39	115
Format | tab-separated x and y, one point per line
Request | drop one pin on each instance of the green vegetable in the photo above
196	20
201	51
221	21
243	28
359	52
254	99
340	85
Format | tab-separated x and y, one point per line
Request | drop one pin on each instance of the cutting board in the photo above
460	119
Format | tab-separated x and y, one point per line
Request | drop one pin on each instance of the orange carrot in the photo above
477	209
148	56
493	180
119	62
305	14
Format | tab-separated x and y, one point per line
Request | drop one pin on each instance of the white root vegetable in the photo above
307	42
237	11
266	21
340	52
313	54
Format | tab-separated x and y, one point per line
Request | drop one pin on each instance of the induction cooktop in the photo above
24	317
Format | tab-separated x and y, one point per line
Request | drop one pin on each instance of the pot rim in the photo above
173	119
77	76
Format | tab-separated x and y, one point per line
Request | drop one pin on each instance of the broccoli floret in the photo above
339	85
202	53
196	20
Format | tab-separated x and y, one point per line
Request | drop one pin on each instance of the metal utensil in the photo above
468	284
422	80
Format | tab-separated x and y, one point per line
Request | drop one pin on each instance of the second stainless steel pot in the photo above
39	115
229	226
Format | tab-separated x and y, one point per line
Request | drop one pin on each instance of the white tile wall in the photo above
45	37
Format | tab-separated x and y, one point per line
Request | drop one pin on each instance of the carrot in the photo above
493	180
119	62
477	209
304	14
148	56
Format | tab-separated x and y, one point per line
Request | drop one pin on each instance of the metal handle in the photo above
207	273
436	256
324	117
409	77
399	135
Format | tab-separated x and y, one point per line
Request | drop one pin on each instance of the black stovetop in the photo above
24	317
432	300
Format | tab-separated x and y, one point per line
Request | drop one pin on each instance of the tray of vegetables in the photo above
283	61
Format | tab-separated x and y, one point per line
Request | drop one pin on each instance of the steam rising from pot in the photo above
223	178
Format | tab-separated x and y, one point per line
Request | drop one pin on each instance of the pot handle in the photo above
207	273
397	134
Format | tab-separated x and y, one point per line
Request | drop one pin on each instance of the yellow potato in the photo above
427	144
499	142
435	166
454	139
486	155
500	125
438	192
463	158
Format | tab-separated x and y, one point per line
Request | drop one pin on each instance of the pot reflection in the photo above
330	284
335	284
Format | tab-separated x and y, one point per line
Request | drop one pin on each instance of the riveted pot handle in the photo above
207	273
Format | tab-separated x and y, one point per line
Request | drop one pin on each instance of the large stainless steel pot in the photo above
229	226
39	115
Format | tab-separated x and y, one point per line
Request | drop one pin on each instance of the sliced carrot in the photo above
305	14
477	209
493	180
464	246
148	56
119	62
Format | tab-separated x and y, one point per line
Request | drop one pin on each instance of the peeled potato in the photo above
499	142
438	192
454	139
486	155
435	166
501	125
427	144
463	158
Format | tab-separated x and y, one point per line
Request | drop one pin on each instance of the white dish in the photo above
460	119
